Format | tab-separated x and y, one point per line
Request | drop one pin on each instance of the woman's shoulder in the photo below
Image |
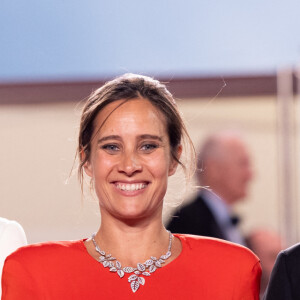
36	265
214	247
46	249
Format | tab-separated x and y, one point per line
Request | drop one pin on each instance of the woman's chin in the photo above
133	215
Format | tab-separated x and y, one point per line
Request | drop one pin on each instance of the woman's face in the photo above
130	160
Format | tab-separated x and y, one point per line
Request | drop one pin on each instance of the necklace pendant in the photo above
135	282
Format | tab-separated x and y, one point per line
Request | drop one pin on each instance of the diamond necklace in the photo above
145	269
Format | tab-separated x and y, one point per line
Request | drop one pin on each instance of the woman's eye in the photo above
110	148
149	147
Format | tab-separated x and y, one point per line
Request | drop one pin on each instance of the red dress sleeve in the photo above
17	282
248	287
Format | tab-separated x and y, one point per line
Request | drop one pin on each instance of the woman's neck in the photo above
131	244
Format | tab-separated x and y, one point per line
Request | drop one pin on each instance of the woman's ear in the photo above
88	169
174	163
87	165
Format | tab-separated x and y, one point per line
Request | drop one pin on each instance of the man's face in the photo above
235	171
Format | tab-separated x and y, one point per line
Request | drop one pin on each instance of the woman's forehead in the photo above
137	112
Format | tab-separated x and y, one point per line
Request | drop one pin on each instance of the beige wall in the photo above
37	150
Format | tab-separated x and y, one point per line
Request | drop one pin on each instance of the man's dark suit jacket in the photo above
195	218
285	278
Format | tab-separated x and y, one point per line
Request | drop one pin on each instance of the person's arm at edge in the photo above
12	238
279	287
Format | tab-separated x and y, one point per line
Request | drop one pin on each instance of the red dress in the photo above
206	269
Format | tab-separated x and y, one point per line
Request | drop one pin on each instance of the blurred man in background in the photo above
224	172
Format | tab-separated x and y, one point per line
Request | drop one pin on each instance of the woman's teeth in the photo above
131	187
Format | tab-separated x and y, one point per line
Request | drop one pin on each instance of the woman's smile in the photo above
130	186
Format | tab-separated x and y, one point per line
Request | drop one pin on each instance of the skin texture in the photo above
131	148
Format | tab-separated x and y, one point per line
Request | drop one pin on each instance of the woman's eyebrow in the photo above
109	137
151	137
141	137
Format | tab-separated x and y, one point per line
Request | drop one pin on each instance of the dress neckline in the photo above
165	267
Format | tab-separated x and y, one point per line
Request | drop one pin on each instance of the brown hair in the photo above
126	87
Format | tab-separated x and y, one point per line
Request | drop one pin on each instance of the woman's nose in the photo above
130	164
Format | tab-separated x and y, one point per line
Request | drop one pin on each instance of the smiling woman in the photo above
130	142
